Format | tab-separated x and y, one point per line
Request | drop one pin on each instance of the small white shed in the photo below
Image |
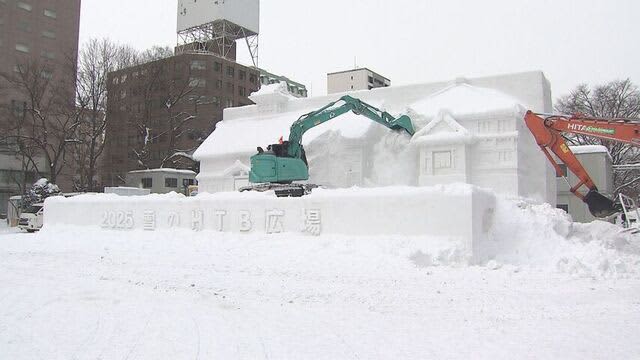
161	181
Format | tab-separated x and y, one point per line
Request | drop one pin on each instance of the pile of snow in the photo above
539	236
280	88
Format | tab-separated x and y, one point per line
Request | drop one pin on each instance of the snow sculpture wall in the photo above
426	212
469	130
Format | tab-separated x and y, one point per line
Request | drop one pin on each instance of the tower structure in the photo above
214	26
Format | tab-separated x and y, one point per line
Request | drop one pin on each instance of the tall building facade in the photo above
356	79
43	32
160	112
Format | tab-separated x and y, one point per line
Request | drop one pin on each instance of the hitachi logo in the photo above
591	129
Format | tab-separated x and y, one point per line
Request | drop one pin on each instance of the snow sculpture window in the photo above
442	160
484	126
505	156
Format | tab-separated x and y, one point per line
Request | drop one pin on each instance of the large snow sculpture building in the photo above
468	130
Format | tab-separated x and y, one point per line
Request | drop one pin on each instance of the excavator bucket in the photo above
404	122
600	206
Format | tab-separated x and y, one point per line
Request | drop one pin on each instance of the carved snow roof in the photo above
461	98
237	167
443	128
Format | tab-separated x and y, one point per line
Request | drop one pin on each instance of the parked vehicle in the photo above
32	217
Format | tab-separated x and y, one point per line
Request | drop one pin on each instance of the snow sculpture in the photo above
469	130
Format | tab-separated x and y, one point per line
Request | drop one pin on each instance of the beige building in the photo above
31	32
598	163
354	80
201	84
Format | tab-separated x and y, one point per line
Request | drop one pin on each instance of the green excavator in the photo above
281	164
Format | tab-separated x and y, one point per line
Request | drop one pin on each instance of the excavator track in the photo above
282	190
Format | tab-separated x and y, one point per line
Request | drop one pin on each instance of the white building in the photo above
161	181
354	80
598	163
468	130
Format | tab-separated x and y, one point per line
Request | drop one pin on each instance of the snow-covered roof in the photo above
244	129
589	149
164	170
244	135
463	99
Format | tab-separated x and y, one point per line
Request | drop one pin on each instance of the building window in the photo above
22	48
147	183
564	207
123	94
171	182
49	34
253	78
230	71
197	82
46	75
370	80
442	160
242	75
24	26
241	91
24	6
230	87
50	13
229	103
219	84
198	65
48	55
217	67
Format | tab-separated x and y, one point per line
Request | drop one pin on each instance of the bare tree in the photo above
169	108
616	99
97	59
45	123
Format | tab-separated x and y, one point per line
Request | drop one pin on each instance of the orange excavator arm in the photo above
548	131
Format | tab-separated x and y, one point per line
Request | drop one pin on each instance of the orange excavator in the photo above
548	131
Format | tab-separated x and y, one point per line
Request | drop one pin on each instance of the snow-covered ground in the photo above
71	294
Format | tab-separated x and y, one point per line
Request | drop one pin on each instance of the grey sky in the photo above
411	41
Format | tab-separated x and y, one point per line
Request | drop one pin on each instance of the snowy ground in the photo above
70	294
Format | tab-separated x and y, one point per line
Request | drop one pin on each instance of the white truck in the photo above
32	217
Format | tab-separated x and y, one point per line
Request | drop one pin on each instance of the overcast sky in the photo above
410	41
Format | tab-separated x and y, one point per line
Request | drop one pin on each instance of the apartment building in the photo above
295	88
31	31
356	79
140	119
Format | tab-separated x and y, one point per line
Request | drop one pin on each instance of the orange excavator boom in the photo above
548	130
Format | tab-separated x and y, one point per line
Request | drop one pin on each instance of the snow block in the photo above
462	214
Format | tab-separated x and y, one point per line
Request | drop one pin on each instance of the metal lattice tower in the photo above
218	37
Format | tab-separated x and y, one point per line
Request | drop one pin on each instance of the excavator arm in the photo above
331	111
282	164
548	131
